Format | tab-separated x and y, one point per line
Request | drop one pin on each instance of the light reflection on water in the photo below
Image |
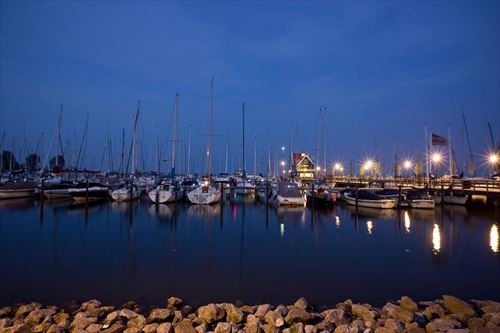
241	249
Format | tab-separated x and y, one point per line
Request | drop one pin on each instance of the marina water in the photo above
244	250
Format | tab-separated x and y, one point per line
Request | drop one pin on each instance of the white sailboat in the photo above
207	194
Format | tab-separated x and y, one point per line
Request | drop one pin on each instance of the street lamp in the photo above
436	159
368	165
493	159
407	165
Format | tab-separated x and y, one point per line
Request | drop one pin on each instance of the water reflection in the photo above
407	222
282	229
369	227
436	239
337	221
162	210
494	242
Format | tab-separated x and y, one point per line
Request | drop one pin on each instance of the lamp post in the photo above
436	159
337	167
493	160
368	165
407	165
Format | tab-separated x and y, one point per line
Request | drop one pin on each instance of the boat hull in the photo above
160	196
422	204
16	194
199	198
381	204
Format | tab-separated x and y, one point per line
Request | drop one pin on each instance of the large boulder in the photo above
80	322
164	328
223	328
262	310
407	303
398	313
234	314
442	325
458	307
301	303
157	315
298	315
174	301
184	326
362	311
211	313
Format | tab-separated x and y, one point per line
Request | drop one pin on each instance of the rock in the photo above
18	328
111	318
393	325
158	314
268	328
459	330
202	328
164	328
80	322
301	303
457	306
416	330
42	327
132	330
475	323
178	317
383	330
5	311
55	329
150	328
274	318
432	310
357	325
131	305
441	325
211	313
185	326
117	327
252	324
234	314
297	328
62	319
493	317
248	308
282	310
24	309
296	315
407	303
127	313
5	322
137	322
92	304
485	306
94	328
174	301
342	329
223	328
333	315
324	325
34	318
262	310
362	311
309	329
398	313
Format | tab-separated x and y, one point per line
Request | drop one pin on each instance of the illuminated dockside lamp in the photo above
407	166
337	169
494	161
436	159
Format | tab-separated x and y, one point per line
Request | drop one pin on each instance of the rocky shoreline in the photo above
449	314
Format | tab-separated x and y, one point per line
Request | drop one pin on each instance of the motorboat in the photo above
57	191
89	192
366	198
451	197
287	194
321	197
18	189
420	199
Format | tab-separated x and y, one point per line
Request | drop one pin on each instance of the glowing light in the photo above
436	157
283	163
337	166
282	229
318	168
407	164
436	239
369	227
368	164
283	148
493	158
407	222
494	242
337	221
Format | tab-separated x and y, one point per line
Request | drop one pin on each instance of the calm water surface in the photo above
242	251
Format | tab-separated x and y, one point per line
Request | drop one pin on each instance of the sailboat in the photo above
244	187
207	194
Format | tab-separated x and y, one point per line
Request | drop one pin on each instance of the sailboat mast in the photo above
227	151
449	151
210	128
254	153
472	166
243	145
123	151
174	133
189	151
493	148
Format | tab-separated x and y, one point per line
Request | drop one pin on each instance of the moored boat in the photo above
287	194
166	192
205	194
20	189
420	199
91	192
368	199
124	194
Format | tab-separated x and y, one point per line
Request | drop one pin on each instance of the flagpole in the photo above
449	151
426	155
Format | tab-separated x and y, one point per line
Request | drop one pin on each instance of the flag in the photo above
437	140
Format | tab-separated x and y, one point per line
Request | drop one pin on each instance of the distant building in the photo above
303	167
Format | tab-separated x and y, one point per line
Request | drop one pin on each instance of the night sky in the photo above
382	70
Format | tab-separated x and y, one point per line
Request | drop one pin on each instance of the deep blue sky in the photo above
383	70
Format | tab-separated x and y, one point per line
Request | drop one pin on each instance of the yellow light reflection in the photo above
282	229
337	221
407	222
436	239
369	227
494	242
